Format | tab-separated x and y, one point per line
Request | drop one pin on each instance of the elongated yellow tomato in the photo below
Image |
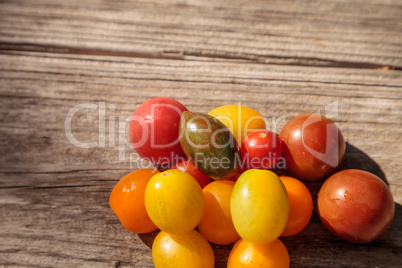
190	250
259	206
174	201
241	120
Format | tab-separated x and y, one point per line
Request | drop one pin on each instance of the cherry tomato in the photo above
154	130
190	250
261	149
313	146
239	119
216	224
127	201
356	205
188	167
247	255
259	206
301	205
174	201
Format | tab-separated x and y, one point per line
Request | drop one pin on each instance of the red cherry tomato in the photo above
356	205
154	130
261	149
188	167
313	146
127	201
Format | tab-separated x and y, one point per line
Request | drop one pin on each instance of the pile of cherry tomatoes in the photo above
215	182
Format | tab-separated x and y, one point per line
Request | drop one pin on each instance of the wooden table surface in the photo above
91	63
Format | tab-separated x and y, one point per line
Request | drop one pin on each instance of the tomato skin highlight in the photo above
188	167
259	206
154	130
301	206
313	146
261	149
247	255
190	250
127	201
174	201
356	205
216	224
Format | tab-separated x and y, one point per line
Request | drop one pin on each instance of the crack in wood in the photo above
183	55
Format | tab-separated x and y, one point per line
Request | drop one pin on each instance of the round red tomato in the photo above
261	149
313	146
188	167
154	130
356	205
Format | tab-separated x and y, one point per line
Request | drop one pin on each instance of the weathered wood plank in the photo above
54	195
317	33
55	55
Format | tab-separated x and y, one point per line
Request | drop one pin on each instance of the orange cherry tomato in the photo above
216	224
127	201
190	250
301	205
248	255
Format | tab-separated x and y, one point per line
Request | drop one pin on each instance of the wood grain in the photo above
268	55
323	33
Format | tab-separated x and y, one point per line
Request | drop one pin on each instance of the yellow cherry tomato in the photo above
190	250
301	205
241	120
216	224
127	201
259	206
247	255
174	201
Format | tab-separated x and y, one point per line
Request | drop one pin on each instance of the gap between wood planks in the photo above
191	55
